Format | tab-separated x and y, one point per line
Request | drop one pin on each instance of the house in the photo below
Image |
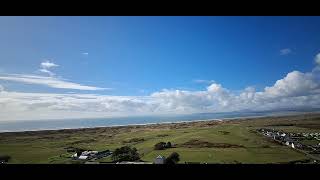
160	160
287	143
83	157
75	155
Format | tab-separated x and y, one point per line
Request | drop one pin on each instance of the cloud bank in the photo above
295	90
47	81
50	81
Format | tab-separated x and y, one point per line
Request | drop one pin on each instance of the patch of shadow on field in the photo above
162	135
282	124
82	141
133	140
265	146
224	132
302	161
195	143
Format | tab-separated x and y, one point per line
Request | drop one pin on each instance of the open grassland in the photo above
228	141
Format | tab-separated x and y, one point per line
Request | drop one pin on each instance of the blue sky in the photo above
139	56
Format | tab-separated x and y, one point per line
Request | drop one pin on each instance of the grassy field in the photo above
49	146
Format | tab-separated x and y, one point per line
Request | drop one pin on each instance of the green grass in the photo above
49	148
310	142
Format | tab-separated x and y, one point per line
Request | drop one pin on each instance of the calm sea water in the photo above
106	122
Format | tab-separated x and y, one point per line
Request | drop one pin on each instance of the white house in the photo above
288	143
75	155
160	160
83	157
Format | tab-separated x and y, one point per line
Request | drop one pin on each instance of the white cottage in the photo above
160	160
83	157
288	143
74	155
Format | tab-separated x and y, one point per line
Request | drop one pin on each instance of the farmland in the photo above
227	141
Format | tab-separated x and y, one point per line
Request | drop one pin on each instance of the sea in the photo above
36	125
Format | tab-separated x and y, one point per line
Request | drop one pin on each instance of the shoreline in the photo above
168	123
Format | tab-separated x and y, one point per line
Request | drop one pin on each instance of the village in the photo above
308	143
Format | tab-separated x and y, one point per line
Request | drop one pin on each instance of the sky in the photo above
81	67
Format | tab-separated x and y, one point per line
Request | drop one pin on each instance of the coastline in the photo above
166	123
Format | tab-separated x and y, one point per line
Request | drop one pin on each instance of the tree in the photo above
5	158
125	153
168	145
160	146
173	158
79	151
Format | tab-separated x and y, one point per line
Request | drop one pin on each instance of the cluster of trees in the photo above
162	145
173	158
5	158
125	153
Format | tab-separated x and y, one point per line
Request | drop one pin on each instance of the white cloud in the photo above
47	81
294	84
317	59
85	53
47	64
19	106
204	81
1	88
285	51
214	88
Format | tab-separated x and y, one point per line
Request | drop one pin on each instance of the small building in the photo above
287	143
75	155
292	145
83	157
160	160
